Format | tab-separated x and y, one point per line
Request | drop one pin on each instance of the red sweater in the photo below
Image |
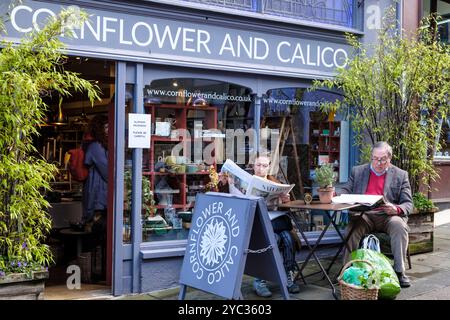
376	186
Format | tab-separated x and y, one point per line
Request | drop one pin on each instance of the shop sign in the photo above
139	130
136	36
223	228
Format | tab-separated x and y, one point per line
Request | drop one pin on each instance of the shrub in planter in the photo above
421	224
422	203
29	71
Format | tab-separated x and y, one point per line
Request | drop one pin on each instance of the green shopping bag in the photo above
389	284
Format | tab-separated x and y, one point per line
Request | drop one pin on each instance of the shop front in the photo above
216	87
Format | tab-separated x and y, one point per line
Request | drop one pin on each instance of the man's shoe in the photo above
403	279
261	288
292	286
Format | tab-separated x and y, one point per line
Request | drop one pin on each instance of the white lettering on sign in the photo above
107	30
95	32
14	21
227	44
148	34
211	253
36	15
156	35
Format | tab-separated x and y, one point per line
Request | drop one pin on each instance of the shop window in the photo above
444	139
190	120
334	12
318	136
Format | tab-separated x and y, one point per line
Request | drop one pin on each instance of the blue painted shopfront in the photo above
154	43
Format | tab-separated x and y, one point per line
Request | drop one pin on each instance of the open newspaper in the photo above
245	183
366	201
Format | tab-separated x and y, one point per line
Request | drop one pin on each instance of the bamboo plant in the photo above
396	91
30	71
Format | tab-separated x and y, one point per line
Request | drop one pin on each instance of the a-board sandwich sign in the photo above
222	228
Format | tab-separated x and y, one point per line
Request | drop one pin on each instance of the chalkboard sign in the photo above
230	235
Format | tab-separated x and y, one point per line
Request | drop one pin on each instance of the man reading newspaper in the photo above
237	181
391	184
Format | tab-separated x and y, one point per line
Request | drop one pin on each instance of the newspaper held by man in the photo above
243	182
366	201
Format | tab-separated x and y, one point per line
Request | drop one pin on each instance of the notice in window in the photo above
139	130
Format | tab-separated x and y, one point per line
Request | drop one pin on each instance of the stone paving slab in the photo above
420	271
415	290
431	260
440	241
438	294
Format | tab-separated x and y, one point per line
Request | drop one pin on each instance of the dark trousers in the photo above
286	245
99	242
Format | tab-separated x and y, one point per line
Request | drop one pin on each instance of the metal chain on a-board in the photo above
262	250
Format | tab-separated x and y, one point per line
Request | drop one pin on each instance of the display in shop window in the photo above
176	170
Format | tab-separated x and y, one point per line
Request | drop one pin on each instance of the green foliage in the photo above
422	203
148	200
28	72
396	91
325	175
18	265
370	280
367	278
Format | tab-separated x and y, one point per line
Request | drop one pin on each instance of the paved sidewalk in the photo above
430	276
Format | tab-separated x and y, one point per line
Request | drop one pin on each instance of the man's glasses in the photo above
264	165
380	161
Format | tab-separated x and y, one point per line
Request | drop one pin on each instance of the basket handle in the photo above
351	262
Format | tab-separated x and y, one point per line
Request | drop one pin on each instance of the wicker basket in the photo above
352	292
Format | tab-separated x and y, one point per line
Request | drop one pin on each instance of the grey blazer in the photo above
397	189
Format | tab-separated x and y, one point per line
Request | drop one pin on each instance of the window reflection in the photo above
444	140
190	119
316	135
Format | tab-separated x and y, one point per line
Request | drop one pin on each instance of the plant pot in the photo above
326	194
18	286
421	231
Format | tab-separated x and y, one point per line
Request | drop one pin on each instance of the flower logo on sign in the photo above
213	243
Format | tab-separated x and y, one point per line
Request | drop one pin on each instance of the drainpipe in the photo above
433	26
257	121
399	17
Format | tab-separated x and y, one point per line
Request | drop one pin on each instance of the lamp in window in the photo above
82	120
60	120
196	100
200	102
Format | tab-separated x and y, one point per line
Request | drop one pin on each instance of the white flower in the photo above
213	242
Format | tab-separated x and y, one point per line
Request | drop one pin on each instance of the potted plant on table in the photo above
325	177
28	72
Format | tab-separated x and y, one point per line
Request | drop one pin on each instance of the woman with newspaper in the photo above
232	180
